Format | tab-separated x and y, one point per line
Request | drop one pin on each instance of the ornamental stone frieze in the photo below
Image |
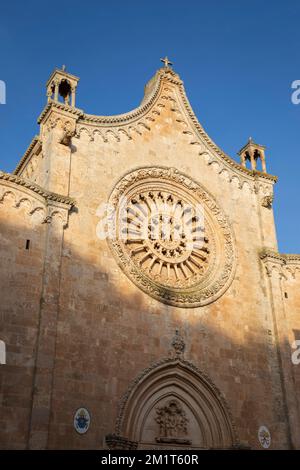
283	265
38	201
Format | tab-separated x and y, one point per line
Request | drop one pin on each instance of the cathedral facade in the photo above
144	303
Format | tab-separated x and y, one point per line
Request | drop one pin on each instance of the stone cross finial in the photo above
166	61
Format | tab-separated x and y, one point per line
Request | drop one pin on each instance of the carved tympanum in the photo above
172	420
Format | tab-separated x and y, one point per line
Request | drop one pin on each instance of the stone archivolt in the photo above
175	268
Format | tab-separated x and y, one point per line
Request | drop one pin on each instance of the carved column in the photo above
56	84
263	161
46	338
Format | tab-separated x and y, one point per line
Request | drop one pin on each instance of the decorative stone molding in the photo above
115	442
165	87
56	214
33	149
66	128
155	93
47	195
165	267
44	206
232	164
149	110
173	422
267	201
55	105
283	265
156	374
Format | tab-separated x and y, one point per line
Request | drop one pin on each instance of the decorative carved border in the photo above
215	147
149	100
35	141
60	106
49	196
197	295
130	125
283	265
284	258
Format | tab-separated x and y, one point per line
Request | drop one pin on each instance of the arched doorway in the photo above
174	405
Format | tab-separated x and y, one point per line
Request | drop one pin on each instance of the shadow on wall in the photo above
107	333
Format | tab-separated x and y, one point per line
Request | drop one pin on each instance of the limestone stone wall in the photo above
292	314
100	332
31	231
283	279
115	330
21	283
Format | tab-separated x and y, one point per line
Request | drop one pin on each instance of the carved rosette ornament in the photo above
170	237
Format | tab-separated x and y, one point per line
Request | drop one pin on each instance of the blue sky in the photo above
237	59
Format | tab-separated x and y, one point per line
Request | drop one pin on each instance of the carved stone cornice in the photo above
62	73
151	97
161	88
282	257
284	265
115	442
56	105
47	195
178	344
250	173
267	201
34	146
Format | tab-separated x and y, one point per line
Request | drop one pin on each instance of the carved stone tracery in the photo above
152	245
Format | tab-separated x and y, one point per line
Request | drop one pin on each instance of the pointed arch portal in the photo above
174	405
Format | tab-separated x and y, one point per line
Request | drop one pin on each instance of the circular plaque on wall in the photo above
82	420
264	437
